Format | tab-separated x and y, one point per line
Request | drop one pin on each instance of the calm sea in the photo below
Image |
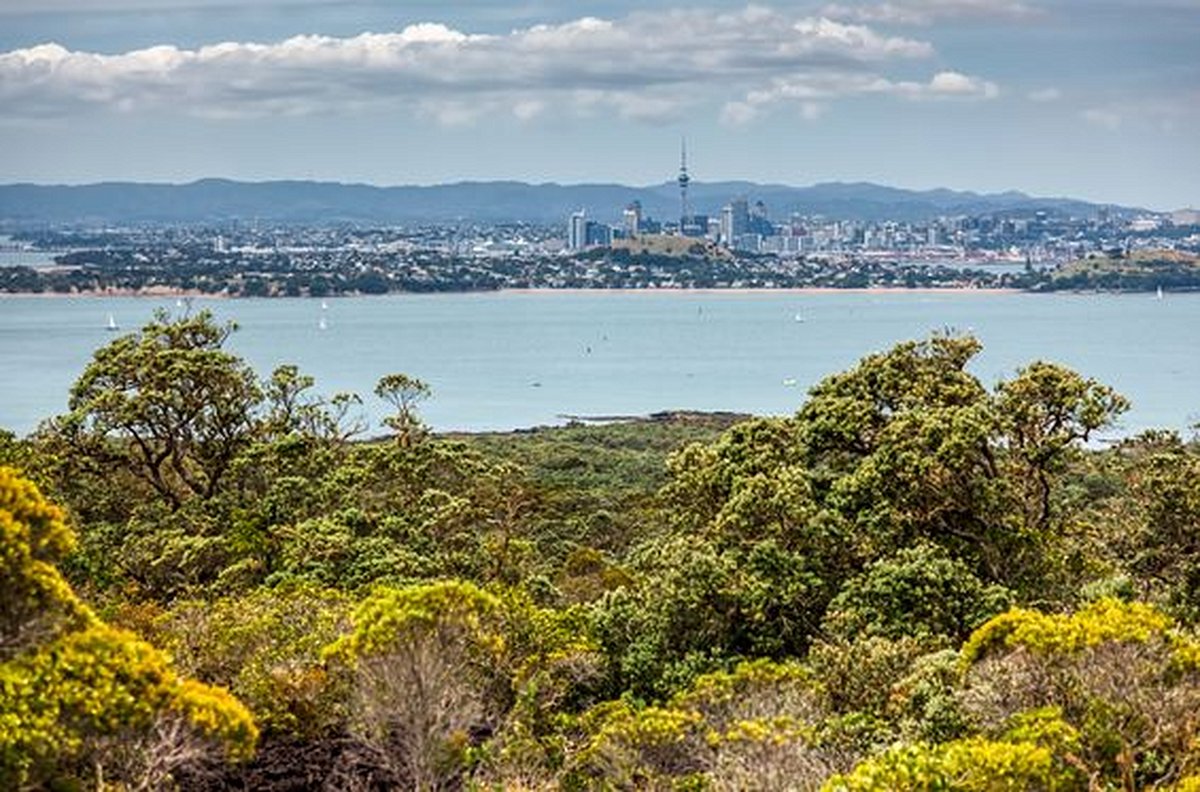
509	360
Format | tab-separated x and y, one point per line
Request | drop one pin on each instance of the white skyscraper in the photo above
633	219
577	231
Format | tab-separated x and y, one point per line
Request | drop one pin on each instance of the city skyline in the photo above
1092	100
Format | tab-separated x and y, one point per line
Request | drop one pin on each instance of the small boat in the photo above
112	324
324	305
789	383
322	324
1158	294
799	317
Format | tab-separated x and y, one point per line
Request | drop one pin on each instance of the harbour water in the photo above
509	360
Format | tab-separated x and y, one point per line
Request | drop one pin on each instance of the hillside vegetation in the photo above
1146	270
914	582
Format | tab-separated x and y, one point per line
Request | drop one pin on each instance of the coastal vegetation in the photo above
215	578
1138	271
650	263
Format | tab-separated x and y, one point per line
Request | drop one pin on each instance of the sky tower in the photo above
685	211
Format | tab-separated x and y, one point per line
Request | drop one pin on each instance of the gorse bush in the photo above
82	700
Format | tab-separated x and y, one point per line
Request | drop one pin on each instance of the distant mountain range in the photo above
219	200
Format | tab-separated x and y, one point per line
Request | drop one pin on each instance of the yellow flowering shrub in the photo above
78	697
761	725
1107	620
973	764
36	603
1121	675
391	618
426	668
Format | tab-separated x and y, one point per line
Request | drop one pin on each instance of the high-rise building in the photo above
758	221
583	233
696	226
735	221
633	219
597	234
577	231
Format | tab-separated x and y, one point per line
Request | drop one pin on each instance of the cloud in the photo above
1166	113
949	83
648	66
738	113
809	91
1109	119
811	111
1045	95
926	12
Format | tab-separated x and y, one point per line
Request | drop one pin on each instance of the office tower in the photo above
577	231
633	219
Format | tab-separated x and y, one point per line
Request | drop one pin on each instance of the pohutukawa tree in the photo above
168	404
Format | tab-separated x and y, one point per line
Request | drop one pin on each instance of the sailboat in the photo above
799	316
322	324
1158	294
324	305
112	323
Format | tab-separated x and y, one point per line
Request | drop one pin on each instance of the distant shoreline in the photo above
166	292
786	290
153	291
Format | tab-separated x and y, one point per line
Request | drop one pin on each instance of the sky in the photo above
1093	99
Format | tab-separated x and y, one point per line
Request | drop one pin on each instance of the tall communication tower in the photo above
685	212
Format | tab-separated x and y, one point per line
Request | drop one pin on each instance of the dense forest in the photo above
215	581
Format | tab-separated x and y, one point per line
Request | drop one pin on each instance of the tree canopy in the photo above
915	581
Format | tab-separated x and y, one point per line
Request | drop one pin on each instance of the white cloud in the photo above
1109	119
810	91
738	113
1045	95
811	111
649	67
926	12
1166	113
949	83
528	109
